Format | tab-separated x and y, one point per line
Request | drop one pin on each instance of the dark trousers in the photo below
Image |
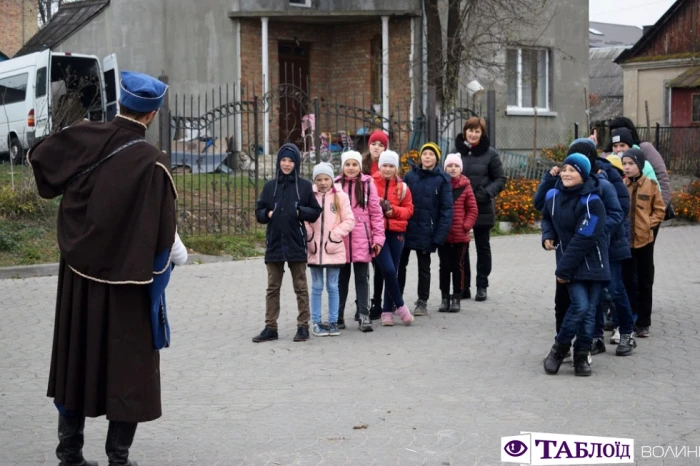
562	302
361	288
388	262
452	266
377	281
423	273
641	266
482	242
621	302
275	272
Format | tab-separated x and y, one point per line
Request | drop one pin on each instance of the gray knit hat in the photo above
323	168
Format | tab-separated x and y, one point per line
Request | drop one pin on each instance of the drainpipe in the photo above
411	59
424	46
237	91
385	72
265	77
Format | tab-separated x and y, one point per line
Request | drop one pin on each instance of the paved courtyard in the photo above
441	392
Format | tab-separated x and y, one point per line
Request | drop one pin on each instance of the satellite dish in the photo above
474	86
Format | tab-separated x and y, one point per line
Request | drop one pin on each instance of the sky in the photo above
630	12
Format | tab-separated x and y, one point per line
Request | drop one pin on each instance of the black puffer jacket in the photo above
483	167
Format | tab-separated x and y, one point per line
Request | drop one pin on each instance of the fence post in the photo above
255	145
576	130
164	122
656	135
491	115
317	131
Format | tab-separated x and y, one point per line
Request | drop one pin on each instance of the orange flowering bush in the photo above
555	153
514	204
405	157
686	203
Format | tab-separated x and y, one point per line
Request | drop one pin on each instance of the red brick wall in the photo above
340	65
682	107
16	26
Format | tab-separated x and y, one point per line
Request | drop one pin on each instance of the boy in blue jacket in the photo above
285	203
573	224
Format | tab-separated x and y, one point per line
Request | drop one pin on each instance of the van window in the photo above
13	89
109	86
41	82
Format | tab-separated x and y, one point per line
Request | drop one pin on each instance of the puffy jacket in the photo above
482	165
575	219
326	235
391	190
464	210
432	208
619	238
647	210
291	200
369	220
659	166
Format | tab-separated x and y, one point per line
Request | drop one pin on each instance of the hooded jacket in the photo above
482	165
464	211
291	200
432	208
327	234
647	210
391	190
575	219
369	220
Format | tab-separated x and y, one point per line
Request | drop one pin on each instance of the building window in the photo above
667	103
695	115
306	3
529	77
376	74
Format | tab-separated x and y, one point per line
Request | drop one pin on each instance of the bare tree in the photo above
477	33
47	8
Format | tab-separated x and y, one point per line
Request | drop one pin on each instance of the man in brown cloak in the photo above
116	214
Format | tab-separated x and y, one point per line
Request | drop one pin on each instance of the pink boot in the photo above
405	314
387	319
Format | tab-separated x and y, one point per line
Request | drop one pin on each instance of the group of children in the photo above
600	215
367	214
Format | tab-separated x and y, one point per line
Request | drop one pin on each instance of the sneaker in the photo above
387	319
365	323
333	329
626	346
319	331
421	308
375	310
466	294
302	334
480	294
267	334
598	346
341	324
405	315
642	332
615	338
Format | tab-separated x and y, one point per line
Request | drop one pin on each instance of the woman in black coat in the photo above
483	167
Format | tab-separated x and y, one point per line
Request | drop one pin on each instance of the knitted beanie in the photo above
379	135
454	158
622	135
351	155
581	163
615	161
323	168
389	157
637	156
431	146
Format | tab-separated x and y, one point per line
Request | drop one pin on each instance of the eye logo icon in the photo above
515	448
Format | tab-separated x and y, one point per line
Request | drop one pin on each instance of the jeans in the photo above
640	265
388	262
482	242
452	266
275	272
622	304
579	321
361	287
332	275
423	273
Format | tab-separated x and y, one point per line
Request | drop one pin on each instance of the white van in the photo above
42	92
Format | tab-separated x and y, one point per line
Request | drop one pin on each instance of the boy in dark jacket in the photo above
573	224
431	220
284	205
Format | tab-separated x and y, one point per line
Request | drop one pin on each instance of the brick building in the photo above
18	23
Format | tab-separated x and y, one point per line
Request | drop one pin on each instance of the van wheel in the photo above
16	151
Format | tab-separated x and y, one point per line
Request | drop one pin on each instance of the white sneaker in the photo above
615	337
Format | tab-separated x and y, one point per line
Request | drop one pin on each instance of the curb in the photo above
49	270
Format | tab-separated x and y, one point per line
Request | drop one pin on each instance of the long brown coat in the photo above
647	210
111	224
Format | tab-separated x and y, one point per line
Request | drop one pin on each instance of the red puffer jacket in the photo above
392	191
465	211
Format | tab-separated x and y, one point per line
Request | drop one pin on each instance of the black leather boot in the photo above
375	311
454	304
120	435
466	294
555	358
581	365
70	441
445	303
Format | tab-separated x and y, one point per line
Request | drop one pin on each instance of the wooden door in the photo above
294	90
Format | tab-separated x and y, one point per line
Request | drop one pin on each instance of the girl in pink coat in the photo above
326	246
366	239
